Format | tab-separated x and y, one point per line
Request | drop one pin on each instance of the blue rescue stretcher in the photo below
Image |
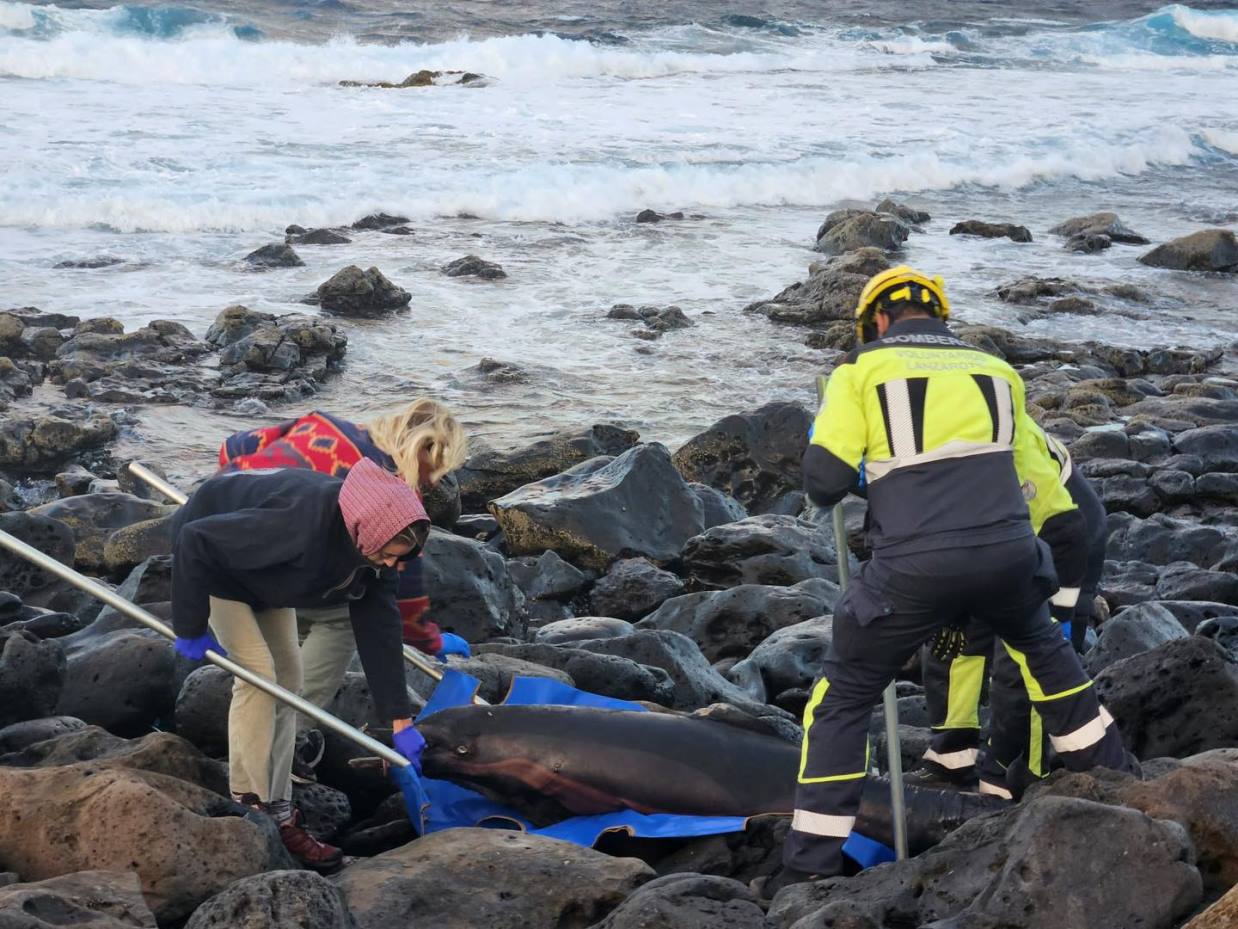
446	805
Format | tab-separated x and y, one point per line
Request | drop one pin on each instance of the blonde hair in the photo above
425	429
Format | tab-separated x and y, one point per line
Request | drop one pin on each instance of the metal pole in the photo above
411	655
889	699
154	480
133	611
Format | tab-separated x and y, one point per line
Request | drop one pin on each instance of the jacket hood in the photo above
377	506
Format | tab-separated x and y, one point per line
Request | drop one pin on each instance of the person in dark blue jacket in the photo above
249	547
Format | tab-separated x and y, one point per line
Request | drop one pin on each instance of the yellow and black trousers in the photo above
893	606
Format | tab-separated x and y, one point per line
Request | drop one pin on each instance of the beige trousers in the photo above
262	731
327	646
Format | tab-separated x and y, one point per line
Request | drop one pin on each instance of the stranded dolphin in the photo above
550	762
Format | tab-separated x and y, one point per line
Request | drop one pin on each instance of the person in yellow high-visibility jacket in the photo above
944	436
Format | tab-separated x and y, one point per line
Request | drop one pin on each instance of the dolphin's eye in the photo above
462	749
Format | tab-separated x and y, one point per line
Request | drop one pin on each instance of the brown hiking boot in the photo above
301	844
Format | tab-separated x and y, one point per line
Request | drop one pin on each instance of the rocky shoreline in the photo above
687	578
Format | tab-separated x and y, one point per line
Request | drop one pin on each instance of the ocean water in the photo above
178	139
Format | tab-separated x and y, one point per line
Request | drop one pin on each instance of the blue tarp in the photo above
445	805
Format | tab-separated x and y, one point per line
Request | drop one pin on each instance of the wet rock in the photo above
604	509
1206	250
768	549
364	294
1104	223
609	675
94	351
94	517
74	482
473	593
42	342
632	588
1193	614
472	266
32	673
731	623
189	844
149	584
1132	632
657	320
544	882
653	216
274	256
379	221
318	237
9	500
688	901
581	628
755	457
44	624
234	323
489	474
201	711
276	900
1178	699
88	264
44	443
122	681
1003	870
696	682
985	230
859	230
1129	495
784	666
86	899
908	215
494	371
1088	244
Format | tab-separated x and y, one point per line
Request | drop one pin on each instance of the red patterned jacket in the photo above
325	443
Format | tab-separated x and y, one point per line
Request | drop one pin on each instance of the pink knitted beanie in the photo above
377	506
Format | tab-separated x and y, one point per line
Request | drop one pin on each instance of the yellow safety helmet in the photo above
900	283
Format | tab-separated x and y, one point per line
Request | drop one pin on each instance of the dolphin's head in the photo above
456	740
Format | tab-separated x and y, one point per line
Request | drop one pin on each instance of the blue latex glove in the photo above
409	743
453	645
195	649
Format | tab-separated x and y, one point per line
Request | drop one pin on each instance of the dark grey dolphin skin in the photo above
549	762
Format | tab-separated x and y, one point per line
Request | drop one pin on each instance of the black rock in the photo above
1099	224
122	681
632	588
319	237
103	261
1088	244
99	899
1216	446
50	536
472	266
1178	699
985	230
907	214
489	474
32	674
829	294
442	502
851	230
688	901
379	221
1184	581
18	736
755	457
581	629
653	216
1132	632
365	294
546	577
767	549
609	675
786	663
1162	540
274	256
276	900
473	593
604	509
201	712
325	810
1206	250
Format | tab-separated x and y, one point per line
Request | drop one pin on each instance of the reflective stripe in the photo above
1085	736
963	697
1033	686
1104	714
818	694
994	791
1035	744
1005	412
838	827
1066	596
874	469
902	430
964	758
